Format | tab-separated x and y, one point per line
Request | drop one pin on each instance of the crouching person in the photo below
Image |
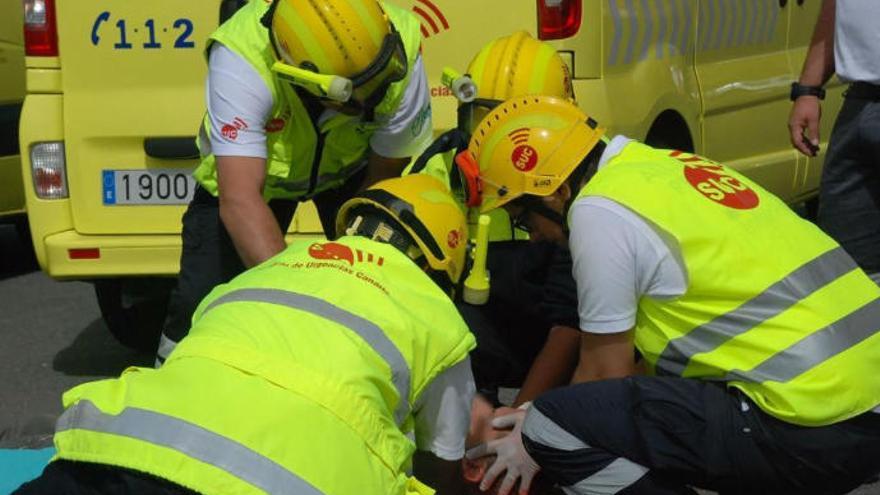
307	374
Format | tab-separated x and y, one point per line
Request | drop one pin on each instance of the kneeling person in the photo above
322	360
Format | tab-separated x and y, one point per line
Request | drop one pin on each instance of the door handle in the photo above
171	148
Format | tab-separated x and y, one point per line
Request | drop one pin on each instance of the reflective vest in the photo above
337	148
298	376
773	306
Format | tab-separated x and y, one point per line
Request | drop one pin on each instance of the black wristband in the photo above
798	90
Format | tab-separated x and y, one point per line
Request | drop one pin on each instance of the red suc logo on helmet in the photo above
524	156
713	182
230	131
336	251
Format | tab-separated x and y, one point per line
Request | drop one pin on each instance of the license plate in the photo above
170	186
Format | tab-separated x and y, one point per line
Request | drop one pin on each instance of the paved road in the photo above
52	338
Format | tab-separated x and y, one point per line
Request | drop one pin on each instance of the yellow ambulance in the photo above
115	96
11	97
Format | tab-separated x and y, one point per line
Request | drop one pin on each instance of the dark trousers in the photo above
531	290
658	436
849	193
84	478
209	258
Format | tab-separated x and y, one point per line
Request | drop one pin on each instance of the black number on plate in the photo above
181	186
146	184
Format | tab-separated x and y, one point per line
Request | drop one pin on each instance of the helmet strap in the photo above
581	175
375	226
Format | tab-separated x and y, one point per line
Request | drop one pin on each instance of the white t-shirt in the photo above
618	258
856	38
239	104
443	412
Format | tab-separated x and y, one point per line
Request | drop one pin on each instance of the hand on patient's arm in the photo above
443	476
246	216
554	364
605	356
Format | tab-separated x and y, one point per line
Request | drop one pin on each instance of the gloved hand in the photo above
511	456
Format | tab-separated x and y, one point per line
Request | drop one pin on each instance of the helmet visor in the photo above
472	113
389	67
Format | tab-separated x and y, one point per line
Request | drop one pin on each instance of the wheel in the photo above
134	309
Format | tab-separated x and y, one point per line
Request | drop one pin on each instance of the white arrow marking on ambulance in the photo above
753	28
685	38
709	26
618	32
673	36
772	30
722	24
735	13
649	30
661	35
740	38
633	32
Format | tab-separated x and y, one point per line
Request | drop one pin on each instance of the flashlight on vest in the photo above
336	88
462	86
476	285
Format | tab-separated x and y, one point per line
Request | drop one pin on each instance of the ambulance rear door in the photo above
133	85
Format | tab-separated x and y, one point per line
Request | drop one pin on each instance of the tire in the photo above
134	309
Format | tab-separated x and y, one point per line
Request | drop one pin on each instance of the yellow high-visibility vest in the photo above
299	369
773	306
292	137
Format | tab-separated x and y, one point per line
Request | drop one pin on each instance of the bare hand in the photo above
803	125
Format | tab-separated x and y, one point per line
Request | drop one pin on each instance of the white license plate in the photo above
168	186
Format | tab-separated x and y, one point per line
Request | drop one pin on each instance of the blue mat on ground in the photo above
20	465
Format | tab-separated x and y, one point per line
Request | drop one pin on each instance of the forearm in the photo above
553	366
253	229
605	357
380	168
819	64
443	476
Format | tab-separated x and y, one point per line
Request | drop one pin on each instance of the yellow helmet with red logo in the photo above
423	208
519	65
352	41
529	145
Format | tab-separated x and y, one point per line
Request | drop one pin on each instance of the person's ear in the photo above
560	196
473	469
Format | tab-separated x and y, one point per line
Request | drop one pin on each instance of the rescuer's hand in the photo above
512	457
803	124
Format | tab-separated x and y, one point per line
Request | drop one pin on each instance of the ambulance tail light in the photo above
49	170
40	33
558	19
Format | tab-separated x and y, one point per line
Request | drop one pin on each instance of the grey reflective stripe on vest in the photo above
367	330
816	347
189	439
302	185
776	299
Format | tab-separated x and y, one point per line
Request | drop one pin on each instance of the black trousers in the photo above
209	258
84	478
532	289
653	435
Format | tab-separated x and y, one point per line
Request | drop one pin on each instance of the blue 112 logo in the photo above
183	27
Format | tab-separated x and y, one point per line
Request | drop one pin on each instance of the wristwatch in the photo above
798	90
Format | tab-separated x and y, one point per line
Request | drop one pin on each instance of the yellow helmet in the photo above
528	145
519	65
352	40
511	66
424	208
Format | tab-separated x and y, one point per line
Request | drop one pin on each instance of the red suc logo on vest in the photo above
230	131
336	251
524	157
713	182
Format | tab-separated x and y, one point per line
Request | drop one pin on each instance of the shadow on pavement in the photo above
94	352
16	252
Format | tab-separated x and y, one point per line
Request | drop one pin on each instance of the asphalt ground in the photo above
51	339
